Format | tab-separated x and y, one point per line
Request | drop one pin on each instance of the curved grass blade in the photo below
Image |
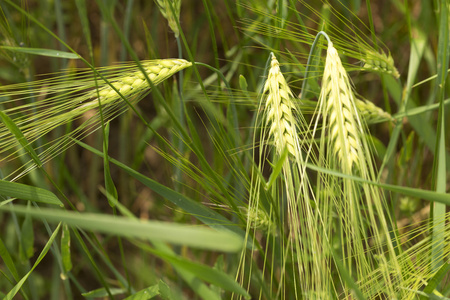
109	183
65	249
437	278
15	130
44	251
27	192
199	287
102	293
346	276
211	275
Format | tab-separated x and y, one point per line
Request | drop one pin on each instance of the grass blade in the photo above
26	192
6	257
42	52
145	294
159	231
44	251
408	191
439	164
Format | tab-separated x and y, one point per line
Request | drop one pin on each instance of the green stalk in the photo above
439	164
310	59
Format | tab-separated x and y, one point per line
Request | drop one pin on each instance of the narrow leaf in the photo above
15	130
6	258
164	290
145	294
65	248
42	52
102	293
44	251
27	238
413	192
109	183
206	273
26	192
202	213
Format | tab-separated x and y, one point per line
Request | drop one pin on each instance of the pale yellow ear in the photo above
341	112
279	108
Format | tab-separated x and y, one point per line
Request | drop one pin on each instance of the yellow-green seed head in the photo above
340	110
170	9
372	113
259	219
279	110
380	62
135	82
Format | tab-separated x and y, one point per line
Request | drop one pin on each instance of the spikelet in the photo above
371	113
171	16
259	219
380	62
340	107
135	82
279	110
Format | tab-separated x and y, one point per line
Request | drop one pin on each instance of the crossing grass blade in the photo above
11	294
158	231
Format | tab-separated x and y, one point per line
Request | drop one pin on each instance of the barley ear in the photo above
380	62
371	113
340	109
135	82
170	9
279	110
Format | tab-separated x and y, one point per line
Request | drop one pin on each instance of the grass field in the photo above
229	149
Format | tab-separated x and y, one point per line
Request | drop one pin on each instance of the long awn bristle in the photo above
130	85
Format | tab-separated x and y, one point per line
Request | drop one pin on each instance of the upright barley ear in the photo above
170	9
380	62
279	110
364	225
340	109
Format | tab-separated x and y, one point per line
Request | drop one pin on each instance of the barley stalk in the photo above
279	110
